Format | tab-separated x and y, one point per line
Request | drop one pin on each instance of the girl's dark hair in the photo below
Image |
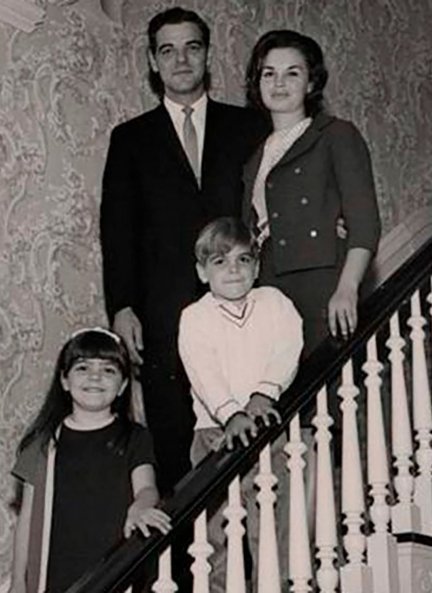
310	50
84	344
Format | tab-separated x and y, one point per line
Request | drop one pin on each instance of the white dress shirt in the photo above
177	116
228	356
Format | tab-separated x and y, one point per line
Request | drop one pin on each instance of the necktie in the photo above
190	140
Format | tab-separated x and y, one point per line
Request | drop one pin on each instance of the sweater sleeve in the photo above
29	462
283	359
203	368
353	169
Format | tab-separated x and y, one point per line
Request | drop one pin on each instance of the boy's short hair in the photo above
221	235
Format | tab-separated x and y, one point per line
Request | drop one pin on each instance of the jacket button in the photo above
313	233
275	214
270	184
304	201
297	170
282	242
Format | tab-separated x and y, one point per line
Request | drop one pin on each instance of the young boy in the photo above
240	347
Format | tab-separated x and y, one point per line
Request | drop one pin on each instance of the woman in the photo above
312	170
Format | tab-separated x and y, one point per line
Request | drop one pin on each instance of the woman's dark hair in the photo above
312	54
84	344
174	16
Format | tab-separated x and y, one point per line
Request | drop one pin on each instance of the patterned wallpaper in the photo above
65	85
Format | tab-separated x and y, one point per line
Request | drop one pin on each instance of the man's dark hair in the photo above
174	16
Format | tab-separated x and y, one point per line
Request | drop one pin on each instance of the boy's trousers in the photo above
210	439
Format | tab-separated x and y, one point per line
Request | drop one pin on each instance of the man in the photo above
168	173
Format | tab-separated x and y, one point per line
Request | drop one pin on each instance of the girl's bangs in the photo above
94	345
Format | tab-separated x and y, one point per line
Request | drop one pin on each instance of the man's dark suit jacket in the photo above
152	209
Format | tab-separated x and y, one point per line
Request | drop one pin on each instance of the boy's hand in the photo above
261	406
239	425
144	519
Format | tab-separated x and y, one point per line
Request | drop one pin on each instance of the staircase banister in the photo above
215	472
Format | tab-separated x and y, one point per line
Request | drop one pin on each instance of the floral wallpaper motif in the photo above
65	85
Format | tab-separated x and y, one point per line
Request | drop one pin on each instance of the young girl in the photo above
86	469
313	169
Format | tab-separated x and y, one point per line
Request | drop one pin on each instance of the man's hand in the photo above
239	425
261	406
127	325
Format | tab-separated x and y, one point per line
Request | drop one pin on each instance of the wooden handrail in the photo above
193	493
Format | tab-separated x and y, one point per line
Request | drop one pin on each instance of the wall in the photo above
83	70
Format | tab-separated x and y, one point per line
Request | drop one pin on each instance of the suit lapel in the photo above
250	173
303	144
212	140
306	140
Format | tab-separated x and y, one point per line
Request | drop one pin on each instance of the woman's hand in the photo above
342	311
342	307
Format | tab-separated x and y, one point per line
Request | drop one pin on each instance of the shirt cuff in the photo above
272	390
224	412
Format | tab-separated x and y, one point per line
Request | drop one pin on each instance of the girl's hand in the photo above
342	311
261	406
144	519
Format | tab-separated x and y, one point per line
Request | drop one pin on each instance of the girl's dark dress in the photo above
92	492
